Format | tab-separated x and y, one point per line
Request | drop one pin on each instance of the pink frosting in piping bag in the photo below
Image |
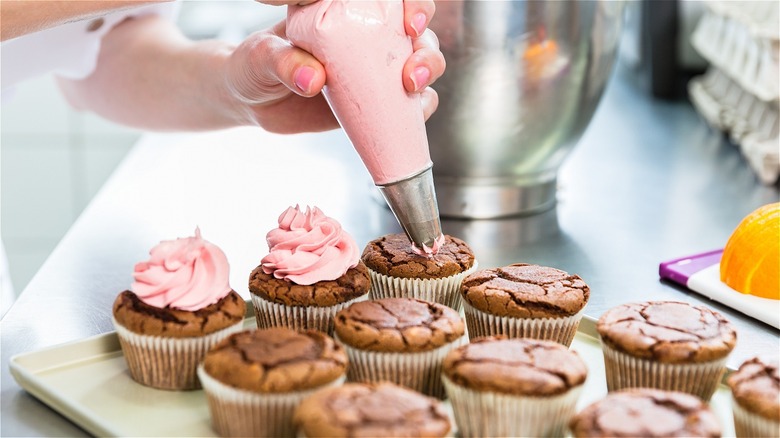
363	46
187	273
309	247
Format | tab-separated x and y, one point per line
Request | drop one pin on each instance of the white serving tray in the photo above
87	381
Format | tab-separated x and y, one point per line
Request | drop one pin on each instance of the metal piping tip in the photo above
413	202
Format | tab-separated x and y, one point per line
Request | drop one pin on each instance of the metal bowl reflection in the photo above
523	79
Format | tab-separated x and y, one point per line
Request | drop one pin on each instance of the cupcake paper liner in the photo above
167	363
269	314
560	330
239	413
748	424
626	371
438	290
482	413
420	371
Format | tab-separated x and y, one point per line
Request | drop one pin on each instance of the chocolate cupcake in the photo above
371	410
755	390
180	305
646	412
665	345
524	301
397	270
401	340
254	379
513	387
313	270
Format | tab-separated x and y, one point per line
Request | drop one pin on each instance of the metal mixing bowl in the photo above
523	79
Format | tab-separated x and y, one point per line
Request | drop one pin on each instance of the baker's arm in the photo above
23	17
149	75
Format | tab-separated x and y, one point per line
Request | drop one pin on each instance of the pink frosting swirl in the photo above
429	251
309	247
187	273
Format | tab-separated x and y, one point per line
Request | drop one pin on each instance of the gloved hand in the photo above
281	83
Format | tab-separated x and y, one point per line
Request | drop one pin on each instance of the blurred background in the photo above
53	160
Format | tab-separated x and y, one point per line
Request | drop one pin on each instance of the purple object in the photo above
680	270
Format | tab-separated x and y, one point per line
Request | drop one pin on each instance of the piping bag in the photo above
363	46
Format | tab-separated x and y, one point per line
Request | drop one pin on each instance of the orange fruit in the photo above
751	257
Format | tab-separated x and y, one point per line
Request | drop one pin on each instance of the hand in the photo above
286	2
282	83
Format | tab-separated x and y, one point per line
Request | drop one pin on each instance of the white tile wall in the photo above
54	160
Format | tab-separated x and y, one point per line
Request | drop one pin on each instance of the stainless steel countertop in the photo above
648	182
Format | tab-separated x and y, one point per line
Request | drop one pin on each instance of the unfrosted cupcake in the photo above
398	270
180	305
313	270
755	390
513	387
254	379
370	410
645	412
401	340
524	301
665	345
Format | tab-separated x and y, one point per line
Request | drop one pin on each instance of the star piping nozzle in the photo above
413	202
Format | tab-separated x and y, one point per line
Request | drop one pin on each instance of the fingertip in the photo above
420	77
308	80
429	99
417	16
303	78
418	23
422	69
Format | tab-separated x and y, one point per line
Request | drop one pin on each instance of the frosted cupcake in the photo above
513	387
401	340
524	301
398	270
254	379
755	390
179	306
312	271
665	345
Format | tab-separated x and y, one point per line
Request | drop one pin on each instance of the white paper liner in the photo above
483	413
438	290
748	424
625	371
560	330
269	314
420	371
167	363
239	413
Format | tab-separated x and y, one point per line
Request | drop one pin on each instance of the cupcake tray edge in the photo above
87	381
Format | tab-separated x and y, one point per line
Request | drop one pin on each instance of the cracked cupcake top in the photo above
398	325
667	331
756	387
276	360
138	317
518	366
393	255
366	409
647	413
525	291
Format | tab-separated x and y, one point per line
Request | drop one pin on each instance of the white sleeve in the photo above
70	50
